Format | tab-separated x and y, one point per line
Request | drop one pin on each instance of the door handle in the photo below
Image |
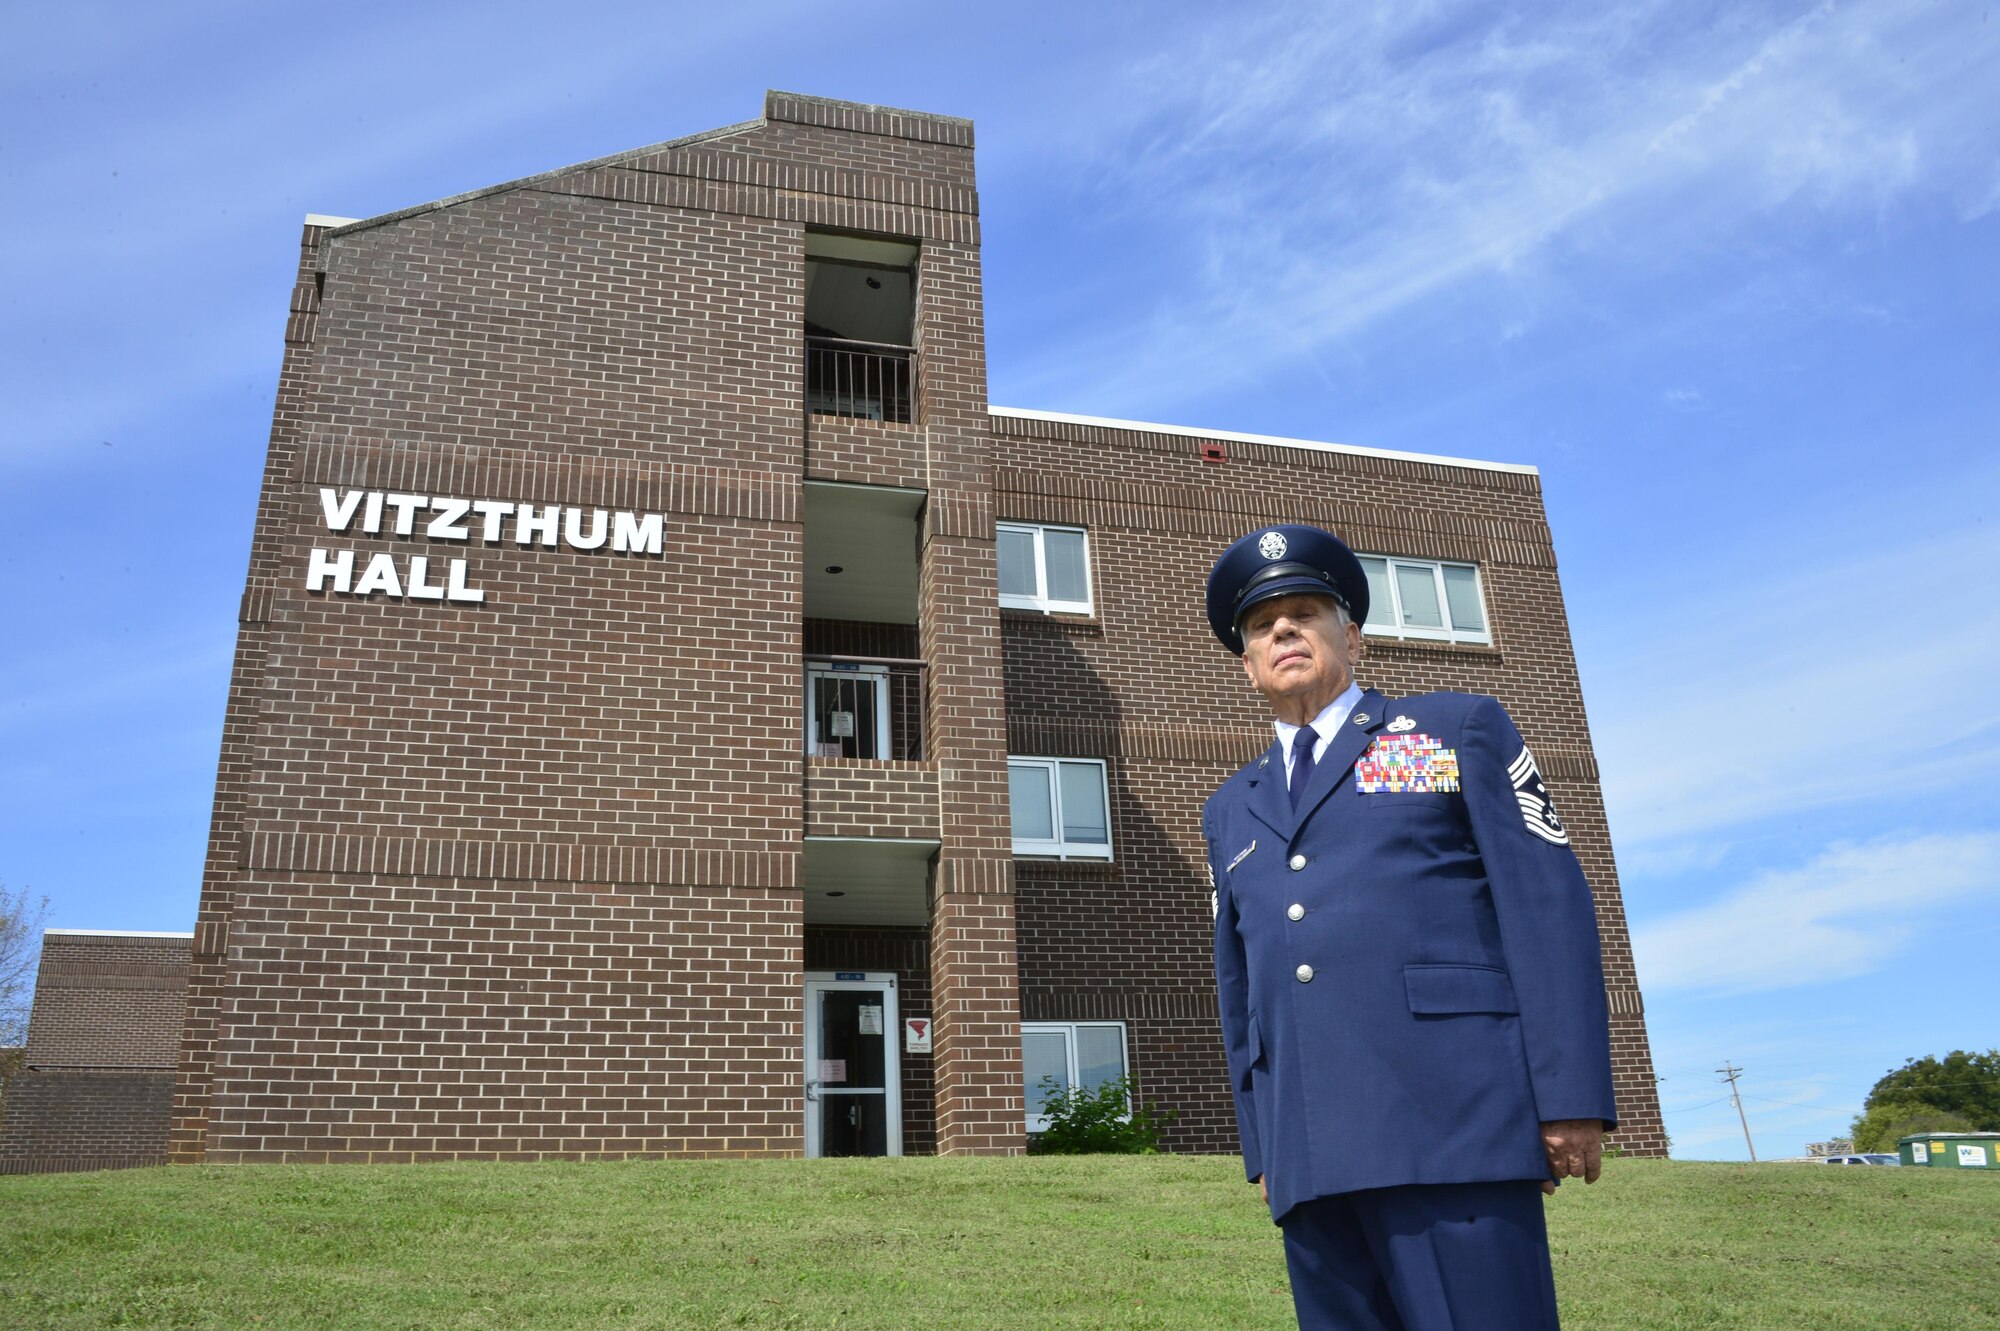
812	1089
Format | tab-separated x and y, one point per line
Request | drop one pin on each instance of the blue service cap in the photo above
1282	561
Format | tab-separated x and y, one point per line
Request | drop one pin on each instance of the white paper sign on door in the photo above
833	1069
871	1019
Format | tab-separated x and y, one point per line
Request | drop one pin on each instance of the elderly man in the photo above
1407	960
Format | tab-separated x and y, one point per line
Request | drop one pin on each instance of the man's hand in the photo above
1265	1188
1575	1148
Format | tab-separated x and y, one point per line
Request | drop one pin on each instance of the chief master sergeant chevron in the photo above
1407	961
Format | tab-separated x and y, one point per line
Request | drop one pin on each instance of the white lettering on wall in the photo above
380	577
529	525
324	564
406	507
573	529
449	524
636	533
339	512
494	512
388	575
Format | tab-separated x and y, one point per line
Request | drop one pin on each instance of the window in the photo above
1068	1053
1059	807
1044	568
1422	598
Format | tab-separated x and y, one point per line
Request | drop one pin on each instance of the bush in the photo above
1106	1121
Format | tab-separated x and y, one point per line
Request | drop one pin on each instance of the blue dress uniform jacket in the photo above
1408	966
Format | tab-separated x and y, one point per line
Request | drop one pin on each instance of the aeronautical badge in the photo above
1401	724
1271	545
1407	765
1536	809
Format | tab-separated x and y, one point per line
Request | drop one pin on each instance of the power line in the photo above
1730	1072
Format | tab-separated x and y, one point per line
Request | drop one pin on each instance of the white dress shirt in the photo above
1330	719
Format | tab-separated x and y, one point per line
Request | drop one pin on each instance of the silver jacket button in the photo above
1298	862
1295	911
1305	974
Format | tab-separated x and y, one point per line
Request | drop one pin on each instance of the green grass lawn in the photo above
1164	1241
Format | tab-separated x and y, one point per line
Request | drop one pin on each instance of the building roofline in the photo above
348	226
776	104
1236	436
116	933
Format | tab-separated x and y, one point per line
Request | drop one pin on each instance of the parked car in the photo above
1871	1158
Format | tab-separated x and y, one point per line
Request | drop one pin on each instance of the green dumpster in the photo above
1951	1150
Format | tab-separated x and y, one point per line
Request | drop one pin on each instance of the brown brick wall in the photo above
389	1019
1142	682
59	1122
863	797
108	1001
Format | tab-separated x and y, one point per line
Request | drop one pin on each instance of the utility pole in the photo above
1730	1072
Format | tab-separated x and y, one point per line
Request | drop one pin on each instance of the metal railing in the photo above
864	707
871	380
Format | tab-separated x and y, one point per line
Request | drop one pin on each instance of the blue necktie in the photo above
1302	761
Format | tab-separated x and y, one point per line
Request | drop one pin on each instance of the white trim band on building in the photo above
1234	436
115	933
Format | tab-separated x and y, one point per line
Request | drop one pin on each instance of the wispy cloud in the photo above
1847	912
1749	700
1402	152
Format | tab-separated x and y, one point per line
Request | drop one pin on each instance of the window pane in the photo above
1083	811
1417	586
1017	563
1068	578
1043	1054
1028	789
1461	594
1381	610
1100	1056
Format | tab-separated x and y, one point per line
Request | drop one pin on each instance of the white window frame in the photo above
1041	600
1436	567
1059	848
1068	1029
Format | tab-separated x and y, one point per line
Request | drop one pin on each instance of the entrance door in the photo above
854	1101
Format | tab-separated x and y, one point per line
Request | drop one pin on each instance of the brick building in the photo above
96	1081
673	713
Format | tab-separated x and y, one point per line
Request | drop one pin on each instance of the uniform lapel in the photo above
1269	799
1347	744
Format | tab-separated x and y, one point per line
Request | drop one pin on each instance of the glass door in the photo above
854	1103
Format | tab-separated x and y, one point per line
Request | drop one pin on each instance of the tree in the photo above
20	948
1957	1093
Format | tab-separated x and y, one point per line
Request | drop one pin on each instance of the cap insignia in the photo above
1271	545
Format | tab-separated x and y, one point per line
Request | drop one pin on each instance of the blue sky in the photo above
1728	274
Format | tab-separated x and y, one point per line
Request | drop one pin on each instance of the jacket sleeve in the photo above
1547	919
1232	985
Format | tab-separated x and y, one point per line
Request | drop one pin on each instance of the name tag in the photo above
1241	856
